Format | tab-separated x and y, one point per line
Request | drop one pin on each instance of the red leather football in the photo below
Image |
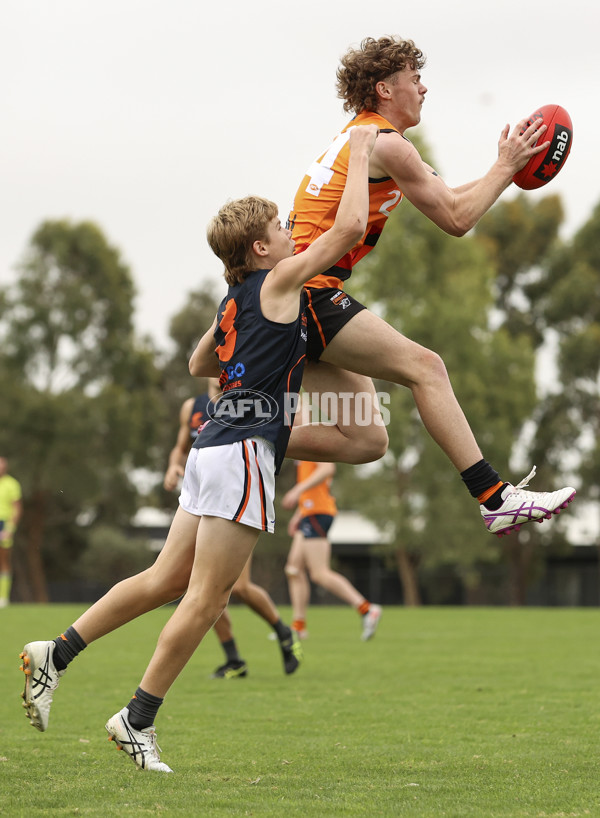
544	166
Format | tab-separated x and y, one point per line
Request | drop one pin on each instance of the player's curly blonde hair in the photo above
233	231
375	60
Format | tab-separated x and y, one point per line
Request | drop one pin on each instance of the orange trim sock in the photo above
66	647
299	625
488	492
363	608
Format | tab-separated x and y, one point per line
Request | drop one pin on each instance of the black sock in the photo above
282	631
231	651
480	477
68	645
143	708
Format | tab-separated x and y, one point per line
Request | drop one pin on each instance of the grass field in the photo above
446	712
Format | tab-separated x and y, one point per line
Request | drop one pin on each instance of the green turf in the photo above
447	712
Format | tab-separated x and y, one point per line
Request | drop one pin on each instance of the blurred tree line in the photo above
89	407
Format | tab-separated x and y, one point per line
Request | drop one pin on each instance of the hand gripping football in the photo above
544	166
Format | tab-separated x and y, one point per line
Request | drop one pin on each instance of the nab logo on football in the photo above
557	153
243	408
544	166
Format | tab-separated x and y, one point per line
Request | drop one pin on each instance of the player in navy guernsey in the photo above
192	417
261	371
228	488
198	414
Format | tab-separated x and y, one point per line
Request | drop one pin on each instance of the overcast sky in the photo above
146	116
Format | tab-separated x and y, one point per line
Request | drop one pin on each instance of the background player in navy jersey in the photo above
228	488
192	415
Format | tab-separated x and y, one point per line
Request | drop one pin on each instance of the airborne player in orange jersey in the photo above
381	83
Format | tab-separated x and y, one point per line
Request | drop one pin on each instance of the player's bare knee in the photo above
419	368
378	442
431	368
206	609
438	367
371	444
291	571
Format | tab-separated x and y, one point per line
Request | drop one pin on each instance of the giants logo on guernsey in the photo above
340	299
303	327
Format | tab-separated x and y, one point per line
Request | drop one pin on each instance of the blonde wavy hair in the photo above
375	60
233	231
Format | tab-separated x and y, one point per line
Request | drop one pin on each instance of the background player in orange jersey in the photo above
192	415
311	549
380	82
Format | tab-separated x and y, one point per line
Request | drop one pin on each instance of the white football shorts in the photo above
235	481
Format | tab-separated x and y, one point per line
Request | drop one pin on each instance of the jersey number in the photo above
320	172
225	350
387	207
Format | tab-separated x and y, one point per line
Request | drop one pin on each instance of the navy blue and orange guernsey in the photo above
262	363
198	415
318	198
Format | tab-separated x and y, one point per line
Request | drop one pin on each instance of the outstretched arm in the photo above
456	210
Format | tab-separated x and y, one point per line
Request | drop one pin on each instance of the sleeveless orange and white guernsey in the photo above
317	500
318	198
